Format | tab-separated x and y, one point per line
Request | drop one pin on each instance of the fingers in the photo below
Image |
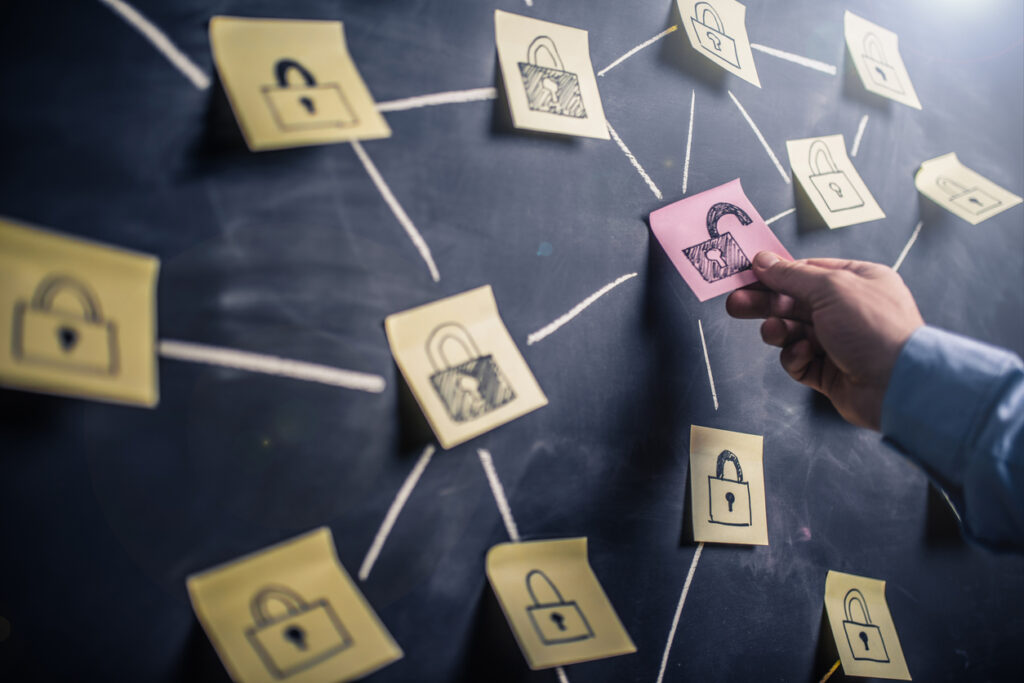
798	279
755	303
781	332
803	364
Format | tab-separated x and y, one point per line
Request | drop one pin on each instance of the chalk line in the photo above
433	99
764	143
906	249
632	160
707	362
831	671
575	310
689	139
499	494
393	512
679	611
161	42
829	69
396	208
562	678
860	133
270	365
529	3
779	215
646	43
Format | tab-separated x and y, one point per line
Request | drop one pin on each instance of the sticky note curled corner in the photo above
712	237
291	612
961	191
293	83
77	318
717	29
875	52
554	603
862	627
831	181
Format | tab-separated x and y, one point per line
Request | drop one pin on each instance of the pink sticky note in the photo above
711	238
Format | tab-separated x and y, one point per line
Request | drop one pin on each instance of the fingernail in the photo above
765	259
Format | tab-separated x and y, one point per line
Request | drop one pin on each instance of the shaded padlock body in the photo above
550	89
720	256
471	388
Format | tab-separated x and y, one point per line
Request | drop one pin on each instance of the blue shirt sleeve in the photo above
955	406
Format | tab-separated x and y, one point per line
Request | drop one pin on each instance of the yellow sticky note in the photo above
554	603
77	318
548	76
727	487
718	30
293	83
862	627
961	191
831	182
876	55
462	366
291	612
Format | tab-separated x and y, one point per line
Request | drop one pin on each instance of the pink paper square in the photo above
723	264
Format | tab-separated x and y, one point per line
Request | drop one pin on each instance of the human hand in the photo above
841	325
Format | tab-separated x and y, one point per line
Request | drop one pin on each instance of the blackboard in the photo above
105	509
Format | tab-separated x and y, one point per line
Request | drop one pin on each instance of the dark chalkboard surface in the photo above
105	510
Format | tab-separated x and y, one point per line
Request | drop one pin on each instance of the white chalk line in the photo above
396	208
434	99
636	49
906	249
270	365
575	310
689	139
779	215
860	133
707	362
499	494
632	160
392	516
161	42
562	678
829	69
764	143
679	611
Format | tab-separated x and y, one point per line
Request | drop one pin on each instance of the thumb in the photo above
797	279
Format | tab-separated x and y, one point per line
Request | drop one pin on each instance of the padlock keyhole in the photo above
716	40
715	255
864	637
470	385
559	620
835	188
881	72
730	499
67	337
308	104
974	200
296	636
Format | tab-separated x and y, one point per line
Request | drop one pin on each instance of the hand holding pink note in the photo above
712	237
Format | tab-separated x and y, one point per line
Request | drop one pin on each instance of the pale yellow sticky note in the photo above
831	182
293	83
554	603
876	55
462	366
727	487
961	191
862	627
291	612
77	318
548	76
718	30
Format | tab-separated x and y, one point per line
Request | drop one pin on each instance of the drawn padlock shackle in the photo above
713	37
882	72
720	256
472	387
735	493
293	603
550	89
558	621
973	200
449	332
544	43
834	186
724	457
281	69
864	632
302	102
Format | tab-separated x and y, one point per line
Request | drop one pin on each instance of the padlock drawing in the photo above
864	638
833	185
729	498
80	341
882	73
308	105
711	34
557	620
720	256
301	637
469	388
972	200
550	89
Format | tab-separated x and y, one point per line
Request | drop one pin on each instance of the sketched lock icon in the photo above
720	256
864	638
558	620
550	89
972	200
882	73
729	498
833	185
711	33
471	388
309	105
305	635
